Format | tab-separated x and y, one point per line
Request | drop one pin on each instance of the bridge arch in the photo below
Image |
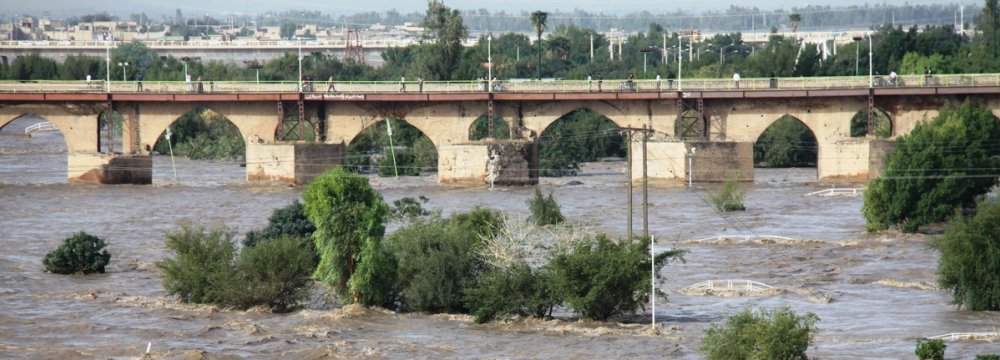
537	117
479	130
40	158
786	142
77	123
201	127
883	123
408	151
580	135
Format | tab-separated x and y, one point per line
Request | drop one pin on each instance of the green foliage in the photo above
480	128
786	143
930	349
938	166
859	124
600	278
348	214
79	254
544	211
139	57
969	265
580	136
207	269
987	357
275	273
408	208
766	334
374	281
414	151
729	197
33	67
203	264
515	291
290	220
438	261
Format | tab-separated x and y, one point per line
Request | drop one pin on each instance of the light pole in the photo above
871	79
185	60
644	51
107	62
489	62
857	47
300	63
124	65
680	60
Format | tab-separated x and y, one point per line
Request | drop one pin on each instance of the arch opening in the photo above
36	158
199	135
110	131
291	129
479	130
582	135
787	149
882	123
403	151
690	125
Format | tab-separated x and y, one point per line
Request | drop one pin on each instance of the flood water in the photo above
875	294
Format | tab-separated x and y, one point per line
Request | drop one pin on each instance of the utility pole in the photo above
628	152
645	179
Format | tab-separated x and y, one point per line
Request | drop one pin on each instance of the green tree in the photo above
287	221
79	254
786	143
794	19
515	291
766	334
940	165
33	67
439	61
203	265
275	273
348	215
287	30
139	57
544	211
539	20
969	265
930	349
599	278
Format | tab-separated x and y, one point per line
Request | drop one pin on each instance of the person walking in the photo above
590	84
657	82
138	81
420	83
600	78
88	82
329	85
736	79
201	85
187	80
402	83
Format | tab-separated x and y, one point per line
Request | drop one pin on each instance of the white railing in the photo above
975	336
838	192
40	127
742	238
730	285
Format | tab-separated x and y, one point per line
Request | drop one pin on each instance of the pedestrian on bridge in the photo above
329	85
138	81
736	79
600	78
187	81
402	83
201	85
657	82
88	82
590	84
420	83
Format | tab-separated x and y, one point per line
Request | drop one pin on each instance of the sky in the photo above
154	8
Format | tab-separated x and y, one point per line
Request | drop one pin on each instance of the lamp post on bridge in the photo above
124	65
857	47
489	63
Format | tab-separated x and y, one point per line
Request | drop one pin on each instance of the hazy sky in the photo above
61	8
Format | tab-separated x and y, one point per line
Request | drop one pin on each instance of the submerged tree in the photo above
970	259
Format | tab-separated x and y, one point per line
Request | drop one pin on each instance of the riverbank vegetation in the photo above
939	166
777	333
969	264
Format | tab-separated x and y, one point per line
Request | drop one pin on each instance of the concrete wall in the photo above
463	164
844	161
877	151
110	169
291	163
666	162
311	160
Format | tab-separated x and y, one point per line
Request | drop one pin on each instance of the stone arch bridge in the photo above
721	123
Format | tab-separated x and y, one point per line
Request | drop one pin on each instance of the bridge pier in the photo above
110	169
291	163
668	162
502	163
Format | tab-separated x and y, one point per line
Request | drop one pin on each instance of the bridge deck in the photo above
156	91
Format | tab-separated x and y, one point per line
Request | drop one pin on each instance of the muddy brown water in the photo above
875	294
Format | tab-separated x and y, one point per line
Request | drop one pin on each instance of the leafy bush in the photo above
203	264
729	197
289	220
408	207
438	259
969	265
987	357
275	273
926	177
600	279
930	349
765	334
374	281
515	291
405	163
348	214
78	254
207	269
544	211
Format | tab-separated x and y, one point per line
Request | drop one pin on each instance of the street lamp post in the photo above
857	49
185	60
124	65
680	60
489	62
871	79
300	64
107	62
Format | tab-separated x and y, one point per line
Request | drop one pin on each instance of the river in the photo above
875	294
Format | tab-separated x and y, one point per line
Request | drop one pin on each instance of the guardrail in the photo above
40	127
743	238
837	192
730	285
502	86
977	336
199	44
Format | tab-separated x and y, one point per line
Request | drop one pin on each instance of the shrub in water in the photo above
766	334
515	291
729	197
987	357
203	267
544	211
408	208
275	273
207	269
80	253
289	220
930	349
600	279
969	265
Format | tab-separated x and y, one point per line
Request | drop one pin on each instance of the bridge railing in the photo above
517	86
